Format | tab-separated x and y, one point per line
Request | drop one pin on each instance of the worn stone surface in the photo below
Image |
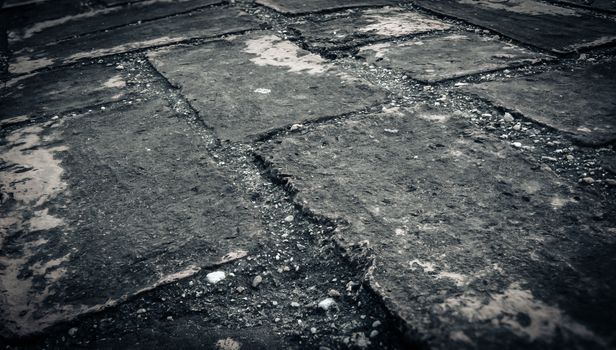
579	103
353	27
606	5
106	205
17	14
210	22
46	32
448	56
471	244
300	6
532	22
53	92
259	83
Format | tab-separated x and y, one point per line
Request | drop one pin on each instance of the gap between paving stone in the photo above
207	23
76	184
473	245
259	83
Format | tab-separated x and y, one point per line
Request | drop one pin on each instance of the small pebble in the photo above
327	303
610	182
72	331
215	277
313	330
508	117
569	157
240	289
295	127
334	293
257	281
141	311
517	127
588	180
289	218
376	323
374	333
516	144
294	304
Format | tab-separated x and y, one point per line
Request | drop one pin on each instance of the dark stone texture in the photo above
536	23
250	85
296	7
580	103
605	5
96	20
54	92
448	56
210	22
470	243
357	27
21	14
106	205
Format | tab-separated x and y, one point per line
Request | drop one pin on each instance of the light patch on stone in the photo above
228	344
215	277
390	23
42	220
25	64
583	129
115	82
459	279
271	50
527	7
604	40
379	49
165	40
262	91
559	202
460	337
426	266
439	118
14	120
502	309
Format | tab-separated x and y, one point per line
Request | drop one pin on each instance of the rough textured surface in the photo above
606	5
206	23
300	6
46	93
17	14
533	22
448	56
470	243
580	103
353	27
259	83
46	32
93	213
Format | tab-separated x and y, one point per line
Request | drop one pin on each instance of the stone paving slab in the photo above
580	103
448	56
297	7
54	92
470	243
536	23
18	14
251	85
106	205
606	5
210	22
44	33
353	27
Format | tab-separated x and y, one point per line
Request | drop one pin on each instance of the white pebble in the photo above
257	281
516	144
215	277
508	117
326	303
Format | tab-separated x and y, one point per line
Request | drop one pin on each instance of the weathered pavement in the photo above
305	174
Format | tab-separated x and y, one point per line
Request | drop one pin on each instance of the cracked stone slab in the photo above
258	83
605	5
206	23
106	205
470	243
535	23
297	7
580	103
66	27
356	27
448	56
54	92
